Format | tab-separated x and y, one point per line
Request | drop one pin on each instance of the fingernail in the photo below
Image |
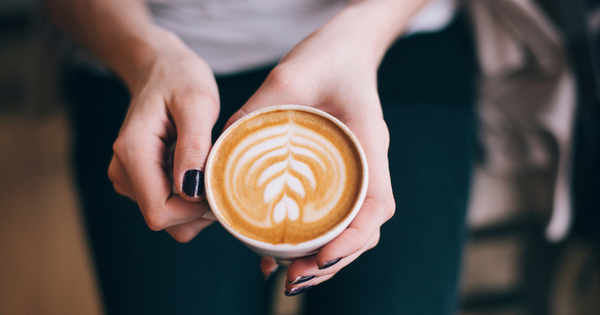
296	291
300	279
330	263
193	184
267	277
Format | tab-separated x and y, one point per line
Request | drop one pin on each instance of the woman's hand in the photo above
351	96
174	96
323	72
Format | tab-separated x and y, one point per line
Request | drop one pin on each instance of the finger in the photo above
143	158
268	266
378	206
305	270
358	234
194	115
185	232
296	290
291	290
119	178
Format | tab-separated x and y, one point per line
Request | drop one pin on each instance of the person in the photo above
180	71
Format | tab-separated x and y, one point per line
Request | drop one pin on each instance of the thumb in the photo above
194	117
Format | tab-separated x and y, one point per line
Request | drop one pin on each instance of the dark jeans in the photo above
427	90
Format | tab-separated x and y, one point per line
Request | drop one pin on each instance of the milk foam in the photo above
285	176
289	184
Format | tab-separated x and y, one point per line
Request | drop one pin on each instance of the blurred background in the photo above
45	266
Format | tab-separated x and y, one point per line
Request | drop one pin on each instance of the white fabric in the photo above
234	35
434	16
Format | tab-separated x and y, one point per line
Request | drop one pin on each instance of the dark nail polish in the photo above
296	291
330	263
193	183
299	279
267	277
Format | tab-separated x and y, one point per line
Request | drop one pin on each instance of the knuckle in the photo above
119	190
120	147
389	206
279	78
185	232
354	239
155	220
113	173
374	241
119	182
192	147
182	236
190	97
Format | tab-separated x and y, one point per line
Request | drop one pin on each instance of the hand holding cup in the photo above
286	180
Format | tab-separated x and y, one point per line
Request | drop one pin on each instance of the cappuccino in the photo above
285	176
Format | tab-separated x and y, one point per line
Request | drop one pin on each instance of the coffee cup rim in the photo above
314	243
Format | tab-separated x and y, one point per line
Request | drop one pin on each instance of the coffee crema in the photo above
285	176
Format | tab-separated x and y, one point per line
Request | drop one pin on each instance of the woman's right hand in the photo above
174	97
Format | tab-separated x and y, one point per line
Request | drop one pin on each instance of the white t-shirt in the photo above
234	35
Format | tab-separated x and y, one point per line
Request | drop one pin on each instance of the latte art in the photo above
286	176
282	162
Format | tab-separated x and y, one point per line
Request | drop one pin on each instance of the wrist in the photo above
366	29
138	56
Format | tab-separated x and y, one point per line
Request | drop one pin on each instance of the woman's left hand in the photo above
321	74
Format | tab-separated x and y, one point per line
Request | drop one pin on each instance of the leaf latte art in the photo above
286	176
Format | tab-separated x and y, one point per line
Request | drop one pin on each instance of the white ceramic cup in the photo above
285	253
